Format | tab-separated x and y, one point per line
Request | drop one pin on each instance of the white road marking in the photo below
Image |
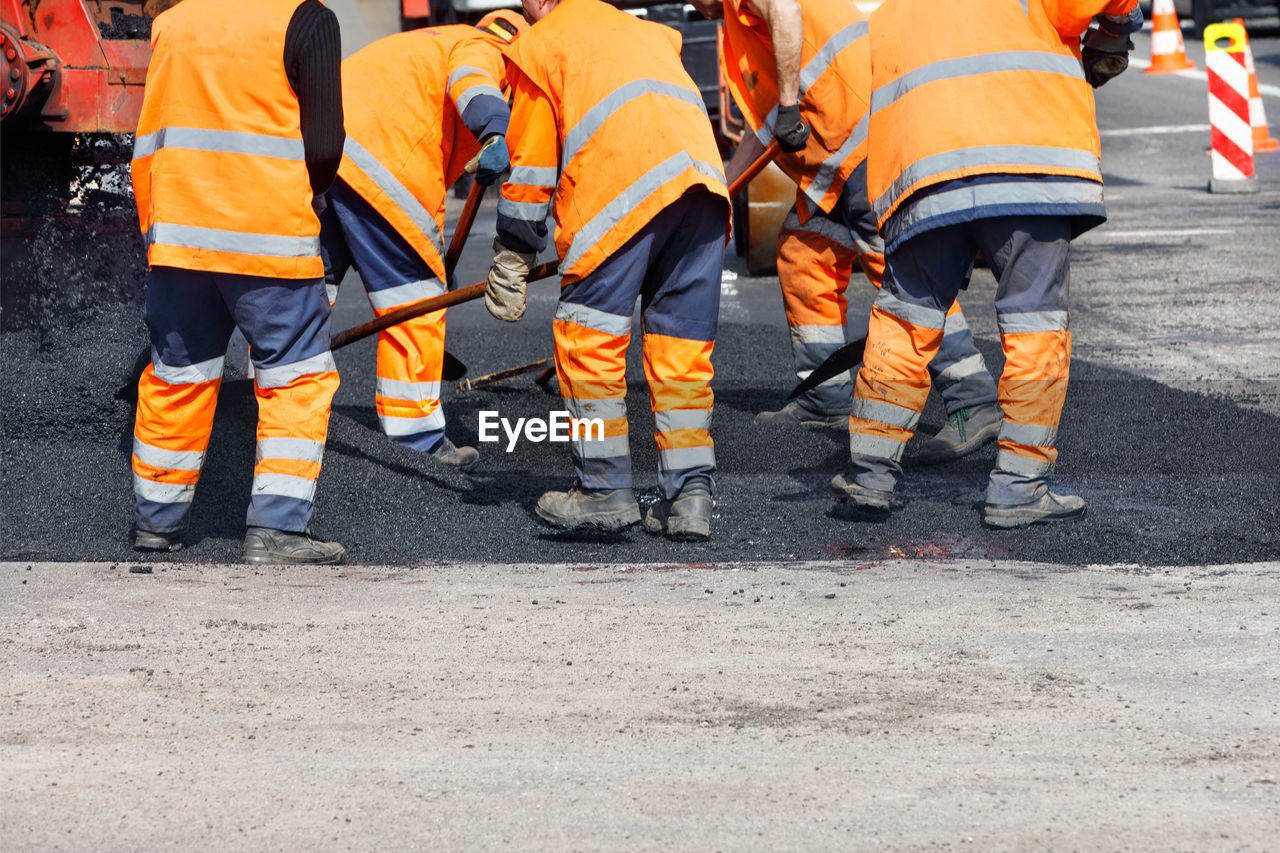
1196	74
1155	129
1155	233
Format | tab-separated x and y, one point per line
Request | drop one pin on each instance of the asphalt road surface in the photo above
802	681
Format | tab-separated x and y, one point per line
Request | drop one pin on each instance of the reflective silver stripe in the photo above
876	446
680	458
162	493
1015	464
284	485
955	323
610	408
966	366
417	391
394	425
1023	4
817	334
1032	321
302	449
473	92
594	318
916	315
239	242
280	375
845	378
987	155
189	374
221	141
826	174
464	71
595	117
525	211
396	191
1032	436
535	176
682	419
820	224
885	413
158	457
405	294
1014	192
965	66
607	448
629	199
822	60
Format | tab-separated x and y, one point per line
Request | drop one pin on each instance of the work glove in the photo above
493	160
1104	56
504	295
790	129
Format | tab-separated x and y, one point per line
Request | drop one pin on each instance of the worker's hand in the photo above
790	129
504	295
494	159
1104	56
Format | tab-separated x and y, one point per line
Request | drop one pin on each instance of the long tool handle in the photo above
463	228
475	291
426	306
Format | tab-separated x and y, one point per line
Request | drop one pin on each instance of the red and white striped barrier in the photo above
1230	129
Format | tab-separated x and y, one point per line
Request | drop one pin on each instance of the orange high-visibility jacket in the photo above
219	173
402	97
835	86
982	88
606	119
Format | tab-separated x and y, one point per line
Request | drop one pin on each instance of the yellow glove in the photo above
504	295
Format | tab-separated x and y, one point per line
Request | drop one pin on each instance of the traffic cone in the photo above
1262	138
1168	54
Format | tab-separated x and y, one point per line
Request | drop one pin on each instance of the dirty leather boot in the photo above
794	414
686	517
964	432
873	502
1048	507
146	540
280	547
462	458
596	509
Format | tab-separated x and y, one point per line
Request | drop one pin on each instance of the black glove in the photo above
1104	56
790	129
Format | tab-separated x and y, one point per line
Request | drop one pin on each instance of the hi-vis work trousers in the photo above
410	355
673	265
1029	257
190	316
815	262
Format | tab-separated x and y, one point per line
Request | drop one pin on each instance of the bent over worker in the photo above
419	105
610	134
800	73
982	138
226	163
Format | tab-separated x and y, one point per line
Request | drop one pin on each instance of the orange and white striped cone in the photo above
1232	151
1263	141
1168	53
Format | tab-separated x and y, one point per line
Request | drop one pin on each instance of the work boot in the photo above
597	509
277	547
146	540
687	516
794	414
964	432
462	458
1048	507
873	502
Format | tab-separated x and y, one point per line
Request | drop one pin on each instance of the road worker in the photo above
799	72
419	105
982	138
241	127
610	134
